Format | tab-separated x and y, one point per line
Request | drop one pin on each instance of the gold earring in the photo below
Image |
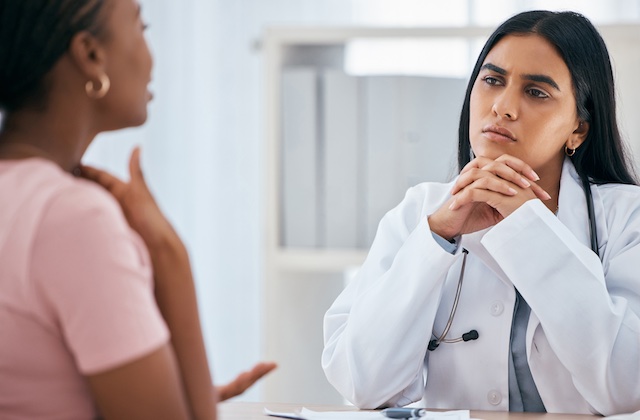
105	84
569	152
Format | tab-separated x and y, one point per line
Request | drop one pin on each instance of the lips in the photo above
501	131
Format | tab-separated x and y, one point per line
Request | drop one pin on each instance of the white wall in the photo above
203	143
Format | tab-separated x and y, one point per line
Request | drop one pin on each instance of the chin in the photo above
491	150
489	154
136	117
140	120
128	121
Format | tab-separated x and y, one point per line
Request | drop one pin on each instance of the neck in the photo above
550	182
57	136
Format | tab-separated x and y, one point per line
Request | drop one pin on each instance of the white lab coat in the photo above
583	335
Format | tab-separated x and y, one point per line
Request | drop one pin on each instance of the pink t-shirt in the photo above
76	291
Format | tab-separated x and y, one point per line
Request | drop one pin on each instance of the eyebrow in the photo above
540	78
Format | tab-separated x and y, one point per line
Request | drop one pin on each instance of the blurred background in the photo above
206	154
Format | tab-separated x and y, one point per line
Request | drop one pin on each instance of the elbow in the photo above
340	375
621	407
364	393
360	397
365	401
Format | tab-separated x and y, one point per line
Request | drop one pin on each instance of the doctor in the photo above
497	291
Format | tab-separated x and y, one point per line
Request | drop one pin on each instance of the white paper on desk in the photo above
294	416
306	414
341	415
630	416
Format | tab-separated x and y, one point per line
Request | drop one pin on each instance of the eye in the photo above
492	81
537	93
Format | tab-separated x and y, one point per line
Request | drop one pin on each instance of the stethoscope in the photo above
473	334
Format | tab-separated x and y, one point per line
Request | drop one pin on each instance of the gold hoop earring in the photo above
569	152
105	84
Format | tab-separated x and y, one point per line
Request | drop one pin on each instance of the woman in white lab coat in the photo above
548	313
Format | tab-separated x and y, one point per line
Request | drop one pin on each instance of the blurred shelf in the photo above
317	260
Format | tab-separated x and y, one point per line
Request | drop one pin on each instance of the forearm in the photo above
174	288
575	305
367	328
176	297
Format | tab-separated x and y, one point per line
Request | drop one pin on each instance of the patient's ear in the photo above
88	54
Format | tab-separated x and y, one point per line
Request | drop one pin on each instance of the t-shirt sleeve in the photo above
95	276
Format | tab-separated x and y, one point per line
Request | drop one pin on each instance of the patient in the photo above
98	312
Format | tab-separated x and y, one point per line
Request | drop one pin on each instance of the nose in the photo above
506	104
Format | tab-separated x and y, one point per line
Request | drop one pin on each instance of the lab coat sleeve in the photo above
588	309
377	331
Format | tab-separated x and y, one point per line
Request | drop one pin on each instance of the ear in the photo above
89	55
578	136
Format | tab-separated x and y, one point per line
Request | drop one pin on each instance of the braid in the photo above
34	34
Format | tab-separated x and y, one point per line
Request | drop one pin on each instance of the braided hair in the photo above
34	34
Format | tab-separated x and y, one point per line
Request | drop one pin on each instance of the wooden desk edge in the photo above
255	410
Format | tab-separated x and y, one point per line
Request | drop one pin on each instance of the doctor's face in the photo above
523	104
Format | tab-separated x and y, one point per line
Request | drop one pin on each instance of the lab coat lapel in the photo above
573	213
572	205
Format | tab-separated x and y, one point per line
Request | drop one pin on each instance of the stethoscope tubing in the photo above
454	308
434	343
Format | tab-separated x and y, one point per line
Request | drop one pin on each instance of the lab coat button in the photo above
497	308
494	397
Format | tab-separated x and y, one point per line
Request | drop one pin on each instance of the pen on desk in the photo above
403	413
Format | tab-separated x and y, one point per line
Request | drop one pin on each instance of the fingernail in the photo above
525	182
534	175
546	194
452	205
512	191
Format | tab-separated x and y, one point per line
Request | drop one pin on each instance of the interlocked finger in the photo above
482	179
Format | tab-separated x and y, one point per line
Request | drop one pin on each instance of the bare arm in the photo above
175	295
147	388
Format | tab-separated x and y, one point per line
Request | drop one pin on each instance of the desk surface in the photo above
254	411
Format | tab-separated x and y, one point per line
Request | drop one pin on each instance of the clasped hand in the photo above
485	193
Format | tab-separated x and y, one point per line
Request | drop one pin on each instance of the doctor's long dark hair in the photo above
602	157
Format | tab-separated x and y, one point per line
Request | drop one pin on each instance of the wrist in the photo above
441	230
158	235
165	246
